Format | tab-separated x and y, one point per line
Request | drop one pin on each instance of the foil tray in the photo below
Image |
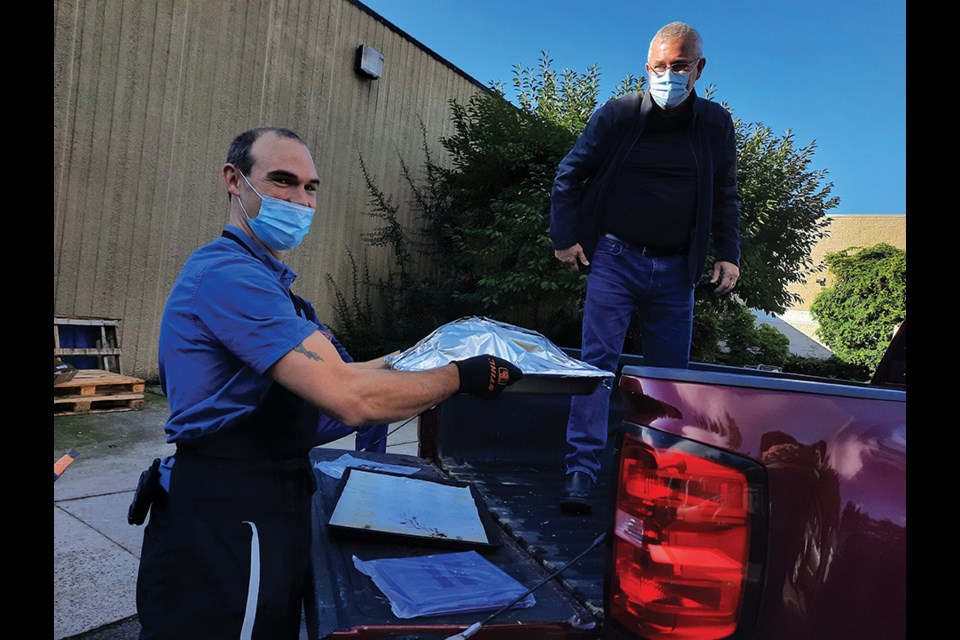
546	368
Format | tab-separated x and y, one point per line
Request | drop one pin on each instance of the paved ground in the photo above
95	551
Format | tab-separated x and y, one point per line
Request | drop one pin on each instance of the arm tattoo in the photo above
310	354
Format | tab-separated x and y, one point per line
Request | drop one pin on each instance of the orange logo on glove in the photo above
498	375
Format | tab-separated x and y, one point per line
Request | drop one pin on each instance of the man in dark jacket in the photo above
635	203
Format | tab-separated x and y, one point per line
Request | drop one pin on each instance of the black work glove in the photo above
486	376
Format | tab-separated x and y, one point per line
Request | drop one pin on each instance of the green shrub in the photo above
858	312
832	367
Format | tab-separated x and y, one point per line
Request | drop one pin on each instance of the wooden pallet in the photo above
97	391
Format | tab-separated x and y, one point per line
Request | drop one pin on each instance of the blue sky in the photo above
831	71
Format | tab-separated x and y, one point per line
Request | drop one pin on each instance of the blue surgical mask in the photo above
280	225
669	89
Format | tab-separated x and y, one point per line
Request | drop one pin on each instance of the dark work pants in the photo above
227	554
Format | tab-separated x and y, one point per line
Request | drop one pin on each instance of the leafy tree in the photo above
747	342
783	215
867	299
567	101
491	228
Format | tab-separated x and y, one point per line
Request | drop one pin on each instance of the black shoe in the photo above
575	497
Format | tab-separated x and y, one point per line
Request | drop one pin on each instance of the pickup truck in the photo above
736	503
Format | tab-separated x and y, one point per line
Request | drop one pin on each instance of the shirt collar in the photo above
284	274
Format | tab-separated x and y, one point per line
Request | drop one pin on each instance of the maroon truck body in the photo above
833	461
818	516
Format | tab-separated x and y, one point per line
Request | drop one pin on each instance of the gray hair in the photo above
678	30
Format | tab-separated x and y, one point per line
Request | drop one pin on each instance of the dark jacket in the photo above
588	172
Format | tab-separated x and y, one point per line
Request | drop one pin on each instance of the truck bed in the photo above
512	451
524	501
828	559
347	604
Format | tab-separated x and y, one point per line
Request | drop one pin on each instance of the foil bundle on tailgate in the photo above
546	368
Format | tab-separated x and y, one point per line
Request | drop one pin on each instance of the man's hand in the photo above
725	275
486	376
571	255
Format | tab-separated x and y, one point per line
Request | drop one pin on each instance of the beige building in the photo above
148	96
845	231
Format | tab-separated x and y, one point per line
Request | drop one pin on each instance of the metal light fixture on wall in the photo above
369	61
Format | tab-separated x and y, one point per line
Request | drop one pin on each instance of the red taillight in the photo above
682	542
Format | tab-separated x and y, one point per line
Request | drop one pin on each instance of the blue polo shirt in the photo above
229	317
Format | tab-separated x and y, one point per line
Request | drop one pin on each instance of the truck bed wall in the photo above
517	427
531	428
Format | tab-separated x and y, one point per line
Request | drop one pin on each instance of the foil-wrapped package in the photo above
546	368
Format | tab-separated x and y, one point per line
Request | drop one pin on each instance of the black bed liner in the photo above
524	501
346	603
511	451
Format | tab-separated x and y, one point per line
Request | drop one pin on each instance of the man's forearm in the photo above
357	394
384	395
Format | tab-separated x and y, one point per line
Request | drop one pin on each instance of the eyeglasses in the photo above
681	67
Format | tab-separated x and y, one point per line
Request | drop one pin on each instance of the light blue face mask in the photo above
280	225
669	89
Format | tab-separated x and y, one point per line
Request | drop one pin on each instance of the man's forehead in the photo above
677	46
272	152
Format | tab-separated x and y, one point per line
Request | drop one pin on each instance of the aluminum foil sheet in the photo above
533	353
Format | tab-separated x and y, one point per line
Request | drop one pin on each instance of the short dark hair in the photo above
239	153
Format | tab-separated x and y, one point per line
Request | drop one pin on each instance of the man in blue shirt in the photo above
254	381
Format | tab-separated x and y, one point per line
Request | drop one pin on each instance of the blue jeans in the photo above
621	281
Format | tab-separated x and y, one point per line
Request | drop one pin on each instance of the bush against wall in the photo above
380	315
858	312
